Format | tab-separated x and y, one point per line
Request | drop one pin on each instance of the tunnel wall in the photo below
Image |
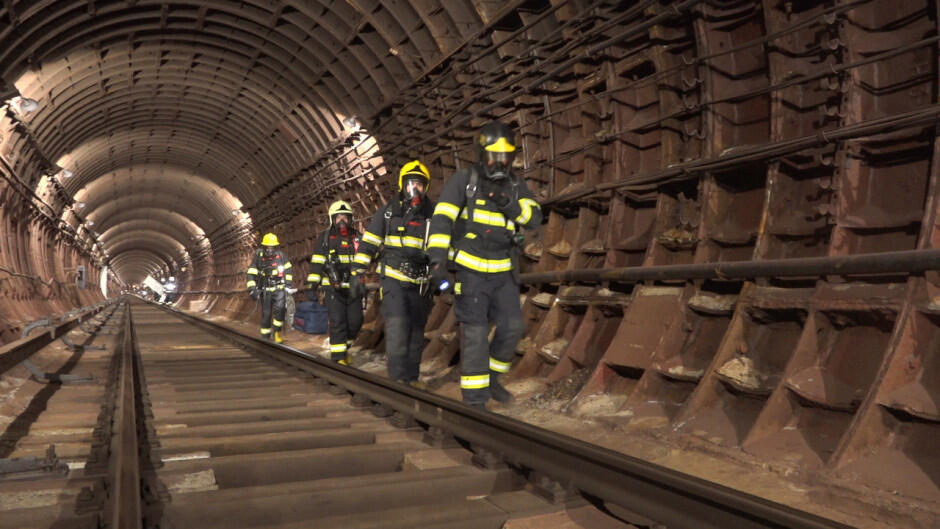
738	131
39	255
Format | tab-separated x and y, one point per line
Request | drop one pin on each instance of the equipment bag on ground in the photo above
311	318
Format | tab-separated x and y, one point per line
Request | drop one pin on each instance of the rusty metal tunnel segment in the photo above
707	169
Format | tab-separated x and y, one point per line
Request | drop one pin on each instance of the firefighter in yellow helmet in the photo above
269	275
401	227
492	205
332	269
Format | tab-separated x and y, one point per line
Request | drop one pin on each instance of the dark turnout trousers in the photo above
345	321
406	312
273	309
483	298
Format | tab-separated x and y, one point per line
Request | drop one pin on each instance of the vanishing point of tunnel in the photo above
162	139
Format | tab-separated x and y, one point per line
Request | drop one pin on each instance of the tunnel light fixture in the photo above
79	205
352	124
65	173
89	223
23	105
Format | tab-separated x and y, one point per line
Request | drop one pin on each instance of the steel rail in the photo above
898	262
656	493
14	353
122	509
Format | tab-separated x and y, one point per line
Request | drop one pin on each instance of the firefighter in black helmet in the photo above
268	276
332	266
401	226
476	225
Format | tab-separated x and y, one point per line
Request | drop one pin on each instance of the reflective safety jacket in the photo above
269	272
336	250
402	230
469	228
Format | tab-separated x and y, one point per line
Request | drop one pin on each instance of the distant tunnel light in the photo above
80	205
66	173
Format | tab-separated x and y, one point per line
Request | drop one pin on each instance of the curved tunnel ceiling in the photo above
197	108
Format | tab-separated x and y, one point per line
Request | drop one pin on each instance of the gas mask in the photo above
413	191
497	165
341	221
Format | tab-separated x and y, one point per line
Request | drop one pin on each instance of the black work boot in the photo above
497	391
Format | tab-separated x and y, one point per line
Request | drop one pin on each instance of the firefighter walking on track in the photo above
475	224
268	276
332	269
401	227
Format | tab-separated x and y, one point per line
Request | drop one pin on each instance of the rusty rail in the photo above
650	491
900	262
122	508
14	353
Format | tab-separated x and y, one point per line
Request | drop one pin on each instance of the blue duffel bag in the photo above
311	318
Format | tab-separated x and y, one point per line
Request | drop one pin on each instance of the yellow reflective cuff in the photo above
489	266
526	215
498	366
439	240
447	209
363	259
471	235
371	238
266	331
338	348
475	381
279	323
288	277
318	259
313	278
251	283
288	265
253	271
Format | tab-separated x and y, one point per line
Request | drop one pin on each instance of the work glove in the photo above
356	288
255	293
312	293
437	278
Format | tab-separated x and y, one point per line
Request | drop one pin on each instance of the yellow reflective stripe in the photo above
439	240
313	278
475	381
393	240
288	277
345	258
265	331
483	265
498	366
253	270
363	259
526	204
371	238
288	265
458	289
413	242
318	259
338	348
326	282
396	274
278	323
251	283
447	209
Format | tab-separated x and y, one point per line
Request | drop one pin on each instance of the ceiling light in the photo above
80	205
24	105
352	124
66	173
90	223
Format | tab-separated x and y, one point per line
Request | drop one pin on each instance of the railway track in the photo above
199	426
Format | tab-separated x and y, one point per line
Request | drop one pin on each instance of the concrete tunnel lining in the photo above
191	127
